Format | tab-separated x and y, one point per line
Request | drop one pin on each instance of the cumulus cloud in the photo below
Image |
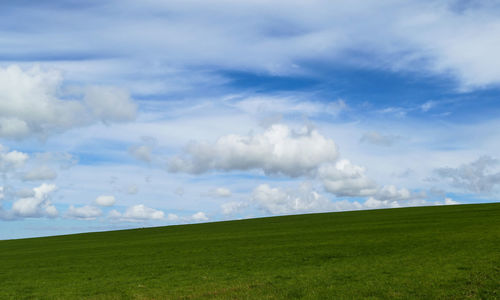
144	150
477	176
345	179
306	200
449	201
24	193
374	203
173	217
199	217
375	138
142	153
278	150
195	218
110	104
39	205
84	212
105	200
11	160
391	192
40	173
231	208
221	192
31	104
279	201
137	213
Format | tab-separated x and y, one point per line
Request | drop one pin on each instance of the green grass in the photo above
447	252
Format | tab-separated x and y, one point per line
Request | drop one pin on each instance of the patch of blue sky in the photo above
265	82
103	153
101	158
369	90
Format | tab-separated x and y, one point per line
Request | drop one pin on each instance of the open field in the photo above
447	252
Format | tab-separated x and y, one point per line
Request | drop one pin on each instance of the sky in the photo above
125	114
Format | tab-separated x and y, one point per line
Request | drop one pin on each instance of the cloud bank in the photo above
32	103
278	150
478	176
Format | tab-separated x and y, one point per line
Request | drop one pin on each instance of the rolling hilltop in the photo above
446	252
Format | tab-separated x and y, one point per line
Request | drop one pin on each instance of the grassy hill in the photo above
447	252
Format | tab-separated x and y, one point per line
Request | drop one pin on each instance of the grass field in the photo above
447	252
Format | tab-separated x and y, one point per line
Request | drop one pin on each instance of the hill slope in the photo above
426	252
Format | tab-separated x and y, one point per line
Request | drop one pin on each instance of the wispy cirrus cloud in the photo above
417	36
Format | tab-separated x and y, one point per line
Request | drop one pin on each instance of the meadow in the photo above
442	252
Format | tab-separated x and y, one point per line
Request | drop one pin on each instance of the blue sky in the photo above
124	114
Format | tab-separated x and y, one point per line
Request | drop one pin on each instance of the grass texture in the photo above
445	252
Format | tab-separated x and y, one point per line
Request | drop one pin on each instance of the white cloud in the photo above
278	150
31	104
84	213
199	217
373	203
222	192
110	104
390	192
105	200
279	201
306	200
137	213
142	153
398	112
231	208
345	179
39	205
277	105
449	201
24	193
173	218
288	105
276	37
11	160
144	150
477	176
336	107
428	106
40	173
